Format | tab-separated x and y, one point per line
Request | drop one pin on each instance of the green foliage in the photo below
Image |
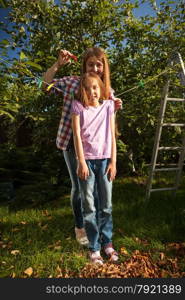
31	176
138	49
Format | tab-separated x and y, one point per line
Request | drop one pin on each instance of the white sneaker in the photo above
95	257
81	236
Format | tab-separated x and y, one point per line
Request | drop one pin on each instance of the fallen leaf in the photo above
15	229
23	222
57	248
162	255
45	227
13	275
15	252
45	212
124	251
29	271
9	245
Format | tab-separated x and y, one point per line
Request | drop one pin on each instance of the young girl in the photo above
94	60
93	124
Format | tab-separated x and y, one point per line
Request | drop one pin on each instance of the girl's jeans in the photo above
99	232
76	203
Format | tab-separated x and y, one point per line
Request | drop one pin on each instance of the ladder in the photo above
156	148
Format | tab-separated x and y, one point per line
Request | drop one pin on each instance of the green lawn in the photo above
37	238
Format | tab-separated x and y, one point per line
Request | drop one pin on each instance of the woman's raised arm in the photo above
64	57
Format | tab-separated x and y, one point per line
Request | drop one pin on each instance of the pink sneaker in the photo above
81	236
111	253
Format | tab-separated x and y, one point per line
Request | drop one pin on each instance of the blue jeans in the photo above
99	232
76	200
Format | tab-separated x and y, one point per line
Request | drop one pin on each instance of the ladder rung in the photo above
176	99
173	124
163	165
166	169
170	148
163	189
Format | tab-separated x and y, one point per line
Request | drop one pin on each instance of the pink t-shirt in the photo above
95	128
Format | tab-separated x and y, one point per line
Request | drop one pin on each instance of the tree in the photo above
138	49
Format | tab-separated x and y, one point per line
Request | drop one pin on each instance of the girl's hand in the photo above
111	171
82	170
65	57
117	103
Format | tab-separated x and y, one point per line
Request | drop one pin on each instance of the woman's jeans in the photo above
76	202
99	225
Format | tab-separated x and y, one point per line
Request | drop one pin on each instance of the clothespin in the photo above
73	57
39	82
50	86
141	83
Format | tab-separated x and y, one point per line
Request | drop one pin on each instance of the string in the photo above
140	84
38	79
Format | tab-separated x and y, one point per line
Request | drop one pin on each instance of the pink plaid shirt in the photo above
69	87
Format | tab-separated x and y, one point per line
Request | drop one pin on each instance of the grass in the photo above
42	233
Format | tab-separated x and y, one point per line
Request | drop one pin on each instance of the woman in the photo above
94	60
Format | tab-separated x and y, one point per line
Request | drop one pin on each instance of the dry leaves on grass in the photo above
124	251
64	273
56	245
177	248
138	265
15	252
28	271
6	244
46	214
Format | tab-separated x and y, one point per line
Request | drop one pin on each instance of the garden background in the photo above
37	238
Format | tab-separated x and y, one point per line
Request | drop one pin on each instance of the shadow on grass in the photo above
162	217
43	231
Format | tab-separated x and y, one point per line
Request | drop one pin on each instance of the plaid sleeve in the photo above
62	85
59	85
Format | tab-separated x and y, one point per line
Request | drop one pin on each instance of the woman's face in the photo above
93	64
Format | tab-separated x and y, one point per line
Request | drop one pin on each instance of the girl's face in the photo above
93	91
93	64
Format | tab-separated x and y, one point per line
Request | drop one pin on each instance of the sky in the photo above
144	9
3	14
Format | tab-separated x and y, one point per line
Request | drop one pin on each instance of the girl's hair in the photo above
84	81
100	55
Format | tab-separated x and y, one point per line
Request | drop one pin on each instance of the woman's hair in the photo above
84	82
100	55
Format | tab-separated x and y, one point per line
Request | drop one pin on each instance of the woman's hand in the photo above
65	57
82	170
111	171
117	103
